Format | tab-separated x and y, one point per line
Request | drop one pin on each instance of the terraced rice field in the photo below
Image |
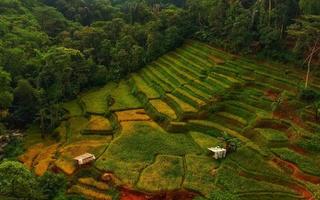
152	131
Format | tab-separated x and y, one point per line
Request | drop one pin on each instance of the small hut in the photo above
218	152
85	158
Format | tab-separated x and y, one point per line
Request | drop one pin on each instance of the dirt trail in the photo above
127	194
298	174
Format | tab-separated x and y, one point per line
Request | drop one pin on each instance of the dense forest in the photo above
51	50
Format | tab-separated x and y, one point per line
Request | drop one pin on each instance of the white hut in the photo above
218	152
85	158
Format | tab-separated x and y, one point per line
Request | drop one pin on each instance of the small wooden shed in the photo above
85	158
218	152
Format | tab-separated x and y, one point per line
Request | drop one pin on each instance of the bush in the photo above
220	195
309	95
13	149
52	185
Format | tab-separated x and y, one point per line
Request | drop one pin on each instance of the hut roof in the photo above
84	156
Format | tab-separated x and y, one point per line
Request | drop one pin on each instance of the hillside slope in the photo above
152	130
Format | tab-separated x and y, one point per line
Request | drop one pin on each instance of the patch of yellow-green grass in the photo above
137	146
34	136
166	173
66	153
163	108
89	181
230	179
233	117
71	129
270	137
203	124
44	159
73	108
98	125
205	141
123	98
89	193
132	115
66	165
95	100
200	174
143	87
188	98
182	106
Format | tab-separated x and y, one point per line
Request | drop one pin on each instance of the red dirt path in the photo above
127	194
298	174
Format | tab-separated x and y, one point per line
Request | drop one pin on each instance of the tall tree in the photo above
18	182
307	32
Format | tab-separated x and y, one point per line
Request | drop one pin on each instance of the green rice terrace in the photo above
150	133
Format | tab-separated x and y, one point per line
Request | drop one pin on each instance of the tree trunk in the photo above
308	73
309	58
270	12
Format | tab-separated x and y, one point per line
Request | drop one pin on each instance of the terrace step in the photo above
189	56
209	124
155	81
89	192
144	87
171	73
163	108
234	117
182	108
185	96
178	58
239	111
175	70
156	68
196	92
259	112
163	78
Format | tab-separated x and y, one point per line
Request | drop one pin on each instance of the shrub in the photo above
220	195
309	95
312	144
52	185
13	149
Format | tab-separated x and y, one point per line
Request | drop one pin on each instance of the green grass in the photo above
163	108
165	174
143	87
229	178
98	125
95	100
181	107
137	149
197	94
306	164
73	108
271	137
200	174
204	140
123	98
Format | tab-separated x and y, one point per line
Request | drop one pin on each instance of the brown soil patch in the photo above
298	150
296	172
289	112
44	159
127	194
272	95
30	155
132	115
216	60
